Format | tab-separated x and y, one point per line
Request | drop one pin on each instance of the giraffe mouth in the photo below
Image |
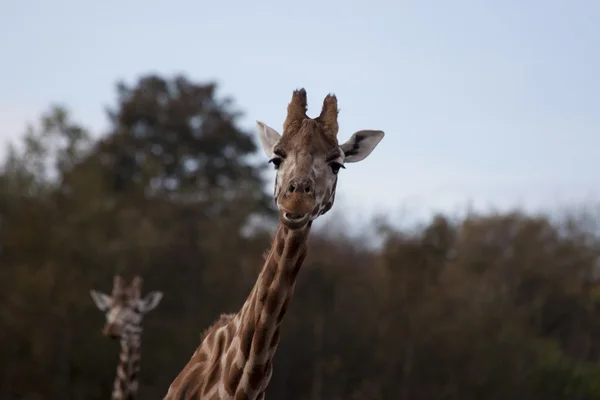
293	220
293	216
295	209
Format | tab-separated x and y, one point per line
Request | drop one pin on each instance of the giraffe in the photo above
124	310
234	359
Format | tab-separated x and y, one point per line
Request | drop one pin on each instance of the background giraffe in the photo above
234	359
124	311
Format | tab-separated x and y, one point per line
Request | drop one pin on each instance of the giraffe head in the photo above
125	307
308	158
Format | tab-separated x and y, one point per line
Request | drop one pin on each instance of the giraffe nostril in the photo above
302	187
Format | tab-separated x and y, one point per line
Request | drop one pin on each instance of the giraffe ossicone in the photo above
234	359
124	310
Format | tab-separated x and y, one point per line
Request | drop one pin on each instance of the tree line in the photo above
485	306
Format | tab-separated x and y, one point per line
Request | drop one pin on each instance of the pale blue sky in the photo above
497	103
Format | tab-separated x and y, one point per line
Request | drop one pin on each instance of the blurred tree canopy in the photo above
494	306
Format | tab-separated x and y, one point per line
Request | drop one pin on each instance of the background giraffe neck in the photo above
263	312
126	382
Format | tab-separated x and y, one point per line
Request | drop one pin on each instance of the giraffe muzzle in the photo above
293	220
295	209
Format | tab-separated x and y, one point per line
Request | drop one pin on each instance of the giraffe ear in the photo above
360	145
150	302
102	300
268	137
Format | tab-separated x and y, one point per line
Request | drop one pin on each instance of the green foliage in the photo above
557	376
491	306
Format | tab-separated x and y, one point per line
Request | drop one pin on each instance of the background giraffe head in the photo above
125	308
308	157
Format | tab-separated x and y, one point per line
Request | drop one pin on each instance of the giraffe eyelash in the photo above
336	166
276	161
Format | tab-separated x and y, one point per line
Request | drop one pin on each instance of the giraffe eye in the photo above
335	167
276	161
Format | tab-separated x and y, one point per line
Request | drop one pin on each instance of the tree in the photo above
175	139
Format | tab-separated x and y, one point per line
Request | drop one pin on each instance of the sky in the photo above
486	103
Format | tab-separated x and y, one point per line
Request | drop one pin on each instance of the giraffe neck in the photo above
126	381
234	359
262	314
